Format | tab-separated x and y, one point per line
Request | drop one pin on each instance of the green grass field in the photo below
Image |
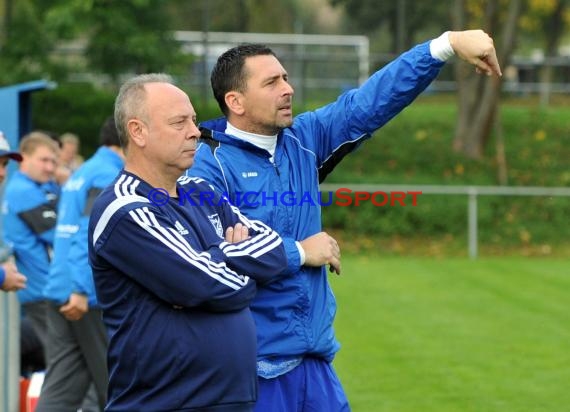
422	335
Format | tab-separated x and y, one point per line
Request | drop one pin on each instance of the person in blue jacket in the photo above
10	278
77	340
258	153
175	266
29	216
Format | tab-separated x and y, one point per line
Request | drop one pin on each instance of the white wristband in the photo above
440	48
301	253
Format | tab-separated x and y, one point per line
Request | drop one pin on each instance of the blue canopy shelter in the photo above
15	121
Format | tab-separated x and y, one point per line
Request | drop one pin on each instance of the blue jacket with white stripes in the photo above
294	316
175	295
69	270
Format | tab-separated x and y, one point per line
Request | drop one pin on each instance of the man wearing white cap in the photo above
10	278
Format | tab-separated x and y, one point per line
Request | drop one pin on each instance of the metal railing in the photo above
10	352
472	192
9	308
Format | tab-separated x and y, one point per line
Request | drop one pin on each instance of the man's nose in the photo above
50	166
194	132
289	89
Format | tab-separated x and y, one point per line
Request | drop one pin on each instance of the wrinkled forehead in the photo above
263	66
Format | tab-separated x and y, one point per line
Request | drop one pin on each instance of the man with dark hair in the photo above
258	148
77	341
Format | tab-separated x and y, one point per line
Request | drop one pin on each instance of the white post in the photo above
472	222
9	352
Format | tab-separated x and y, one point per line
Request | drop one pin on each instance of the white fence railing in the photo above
472	192
9	308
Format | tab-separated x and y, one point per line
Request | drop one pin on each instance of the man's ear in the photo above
137	132
234	101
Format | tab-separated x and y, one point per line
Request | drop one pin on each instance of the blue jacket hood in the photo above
213	133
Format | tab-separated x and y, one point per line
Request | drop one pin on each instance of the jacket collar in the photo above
213	133
109	156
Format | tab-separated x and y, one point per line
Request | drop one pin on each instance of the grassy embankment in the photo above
416	148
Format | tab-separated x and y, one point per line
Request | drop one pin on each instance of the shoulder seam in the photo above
111	209
124	189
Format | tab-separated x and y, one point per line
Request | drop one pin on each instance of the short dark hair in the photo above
229	74
108	135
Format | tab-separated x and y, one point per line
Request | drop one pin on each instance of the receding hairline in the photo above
137	85
127	103
139	104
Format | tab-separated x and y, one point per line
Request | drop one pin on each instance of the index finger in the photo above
21	283
241	232
334	266
489	63
230	234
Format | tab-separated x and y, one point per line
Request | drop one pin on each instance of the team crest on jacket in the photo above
181	229
217	223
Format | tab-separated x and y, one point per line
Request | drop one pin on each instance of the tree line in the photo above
135	36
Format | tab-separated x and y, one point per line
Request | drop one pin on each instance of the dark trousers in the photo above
35	313
32	356
76	358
